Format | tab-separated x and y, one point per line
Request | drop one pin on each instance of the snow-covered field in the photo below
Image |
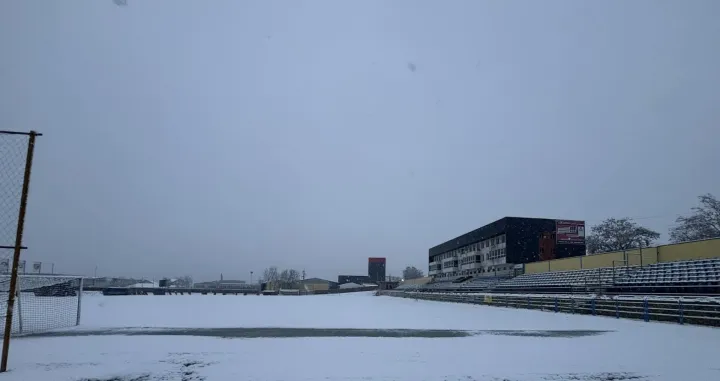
629	350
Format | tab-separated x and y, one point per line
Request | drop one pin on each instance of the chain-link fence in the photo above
43	302
13	154
16	152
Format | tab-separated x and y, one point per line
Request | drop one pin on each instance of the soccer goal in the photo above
42	302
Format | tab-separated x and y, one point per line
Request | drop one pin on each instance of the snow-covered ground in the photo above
630	350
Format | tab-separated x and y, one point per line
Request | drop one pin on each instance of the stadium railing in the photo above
682	310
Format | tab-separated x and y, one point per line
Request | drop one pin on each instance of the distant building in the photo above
145	284
346	286
376	269
359	279
225	284
317	284
496	248
111	282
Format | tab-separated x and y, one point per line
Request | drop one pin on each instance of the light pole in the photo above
251	274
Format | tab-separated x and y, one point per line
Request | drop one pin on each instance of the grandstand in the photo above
690	277
686	268
695	276
482	283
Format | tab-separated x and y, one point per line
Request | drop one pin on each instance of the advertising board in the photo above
568	232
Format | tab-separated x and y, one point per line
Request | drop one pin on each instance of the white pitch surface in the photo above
648	351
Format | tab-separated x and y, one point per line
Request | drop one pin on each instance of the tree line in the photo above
618	234
287	278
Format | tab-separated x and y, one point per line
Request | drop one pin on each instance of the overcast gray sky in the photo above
208	137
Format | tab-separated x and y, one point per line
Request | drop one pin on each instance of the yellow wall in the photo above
649	255
320	286
537	267
602	260
565	264
709	248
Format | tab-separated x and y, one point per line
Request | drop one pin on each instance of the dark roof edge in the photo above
503	219
462	235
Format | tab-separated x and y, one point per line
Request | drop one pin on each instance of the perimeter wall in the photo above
709	248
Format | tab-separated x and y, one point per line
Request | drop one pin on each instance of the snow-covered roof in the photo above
143	285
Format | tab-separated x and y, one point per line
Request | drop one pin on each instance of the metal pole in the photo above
79	309
20	314
16	253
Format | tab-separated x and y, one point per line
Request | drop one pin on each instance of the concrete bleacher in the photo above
697	273
696	276
464	283
414	284
482	283
693	276
442	284
564	279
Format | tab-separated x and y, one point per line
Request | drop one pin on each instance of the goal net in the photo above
42	302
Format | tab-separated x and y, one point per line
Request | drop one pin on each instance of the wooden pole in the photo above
16	253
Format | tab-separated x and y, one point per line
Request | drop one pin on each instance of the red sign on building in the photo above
569	232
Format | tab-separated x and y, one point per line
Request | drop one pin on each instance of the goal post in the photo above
42	302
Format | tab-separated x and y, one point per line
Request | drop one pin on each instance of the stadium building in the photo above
376	269
496	248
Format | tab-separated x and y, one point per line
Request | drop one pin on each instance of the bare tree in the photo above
289	278
293	276
703	223
271	274
284	278
411	272
184	281
593	244
617	235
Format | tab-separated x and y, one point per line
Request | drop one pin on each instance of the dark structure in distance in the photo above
376	269
496	247
357	279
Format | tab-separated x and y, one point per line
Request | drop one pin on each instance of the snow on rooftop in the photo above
143	285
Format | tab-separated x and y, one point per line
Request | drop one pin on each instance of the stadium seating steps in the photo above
697	275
